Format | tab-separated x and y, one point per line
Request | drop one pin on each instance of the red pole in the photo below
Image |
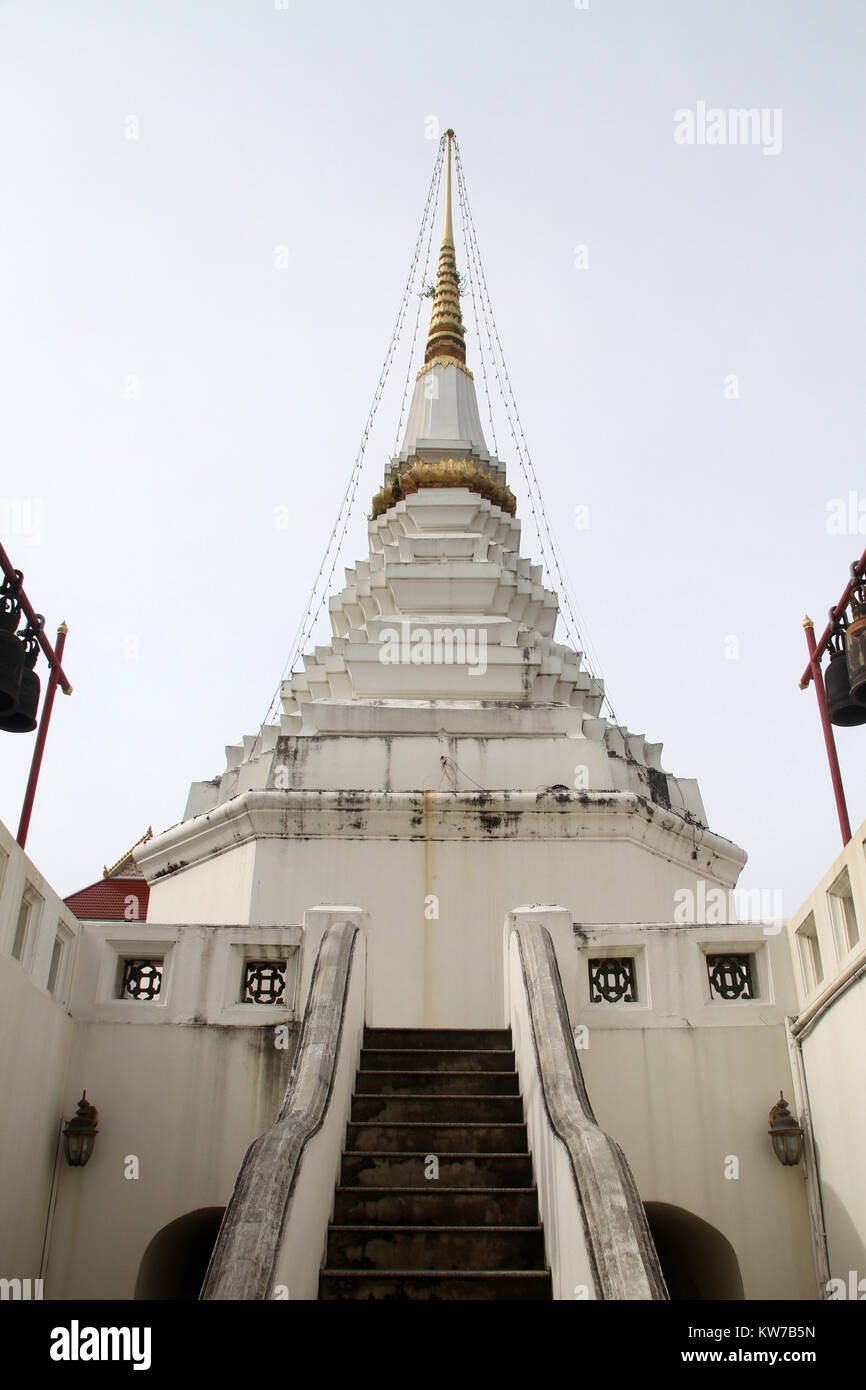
814	669
42	734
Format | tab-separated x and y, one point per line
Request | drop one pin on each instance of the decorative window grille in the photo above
611	981
730	977
264	982
142	979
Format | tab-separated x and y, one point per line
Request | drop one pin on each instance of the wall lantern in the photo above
786	1134
80	1133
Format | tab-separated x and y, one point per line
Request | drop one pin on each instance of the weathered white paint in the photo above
606	858
302	1249
559	1208
186	1101
35	1088
685	1084
567	1214
184	1094
830	1032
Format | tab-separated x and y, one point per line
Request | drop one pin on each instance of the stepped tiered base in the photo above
444	645
472	1232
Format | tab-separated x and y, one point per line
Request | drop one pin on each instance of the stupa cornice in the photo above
554	814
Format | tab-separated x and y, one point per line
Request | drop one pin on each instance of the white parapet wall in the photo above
182	1082
682	1075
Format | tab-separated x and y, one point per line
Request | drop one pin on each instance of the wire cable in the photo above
321	584
551	553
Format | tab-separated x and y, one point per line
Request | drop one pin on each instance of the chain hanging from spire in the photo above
322	583
551	553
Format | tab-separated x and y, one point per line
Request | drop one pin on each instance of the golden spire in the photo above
445	341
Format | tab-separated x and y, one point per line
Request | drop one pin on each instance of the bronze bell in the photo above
843	711
11	671
11	649
21	718
855	641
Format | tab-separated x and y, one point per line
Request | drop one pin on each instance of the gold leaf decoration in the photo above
445	473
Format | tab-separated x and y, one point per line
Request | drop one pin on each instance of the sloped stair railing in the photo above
273	1232
598	1240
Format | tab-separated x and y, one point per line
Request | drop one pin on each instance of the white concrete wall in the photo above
403	858
35	1088
504	760
186	1101
183	1085
836	956
685	1086
681	1082
833	1055
228	898
830	1032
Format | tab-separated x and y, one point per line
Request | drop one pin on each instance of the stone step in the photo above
512	1285
436	1205
436	1197
439	1139
472	1170
381	1059
436	1109
472	1039
435	1247
437	1083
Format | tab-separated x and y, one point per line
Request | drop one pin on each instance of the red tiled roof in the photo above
111	900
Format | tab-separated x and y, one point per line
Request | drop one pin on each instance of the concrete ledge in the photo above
274	1184
566	816
598	1239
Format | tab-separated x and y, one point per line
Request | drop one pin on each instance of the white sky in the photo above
153	258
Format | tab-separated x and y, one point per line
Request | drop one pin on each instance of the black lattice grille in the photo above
142	979
264	982
611	981
730	977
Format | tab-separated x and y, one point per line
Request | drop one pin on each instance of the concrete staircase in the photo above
471	1233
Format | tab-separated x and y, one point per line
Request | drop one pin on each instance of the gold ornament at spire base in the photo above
444	362
445	473
446	338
